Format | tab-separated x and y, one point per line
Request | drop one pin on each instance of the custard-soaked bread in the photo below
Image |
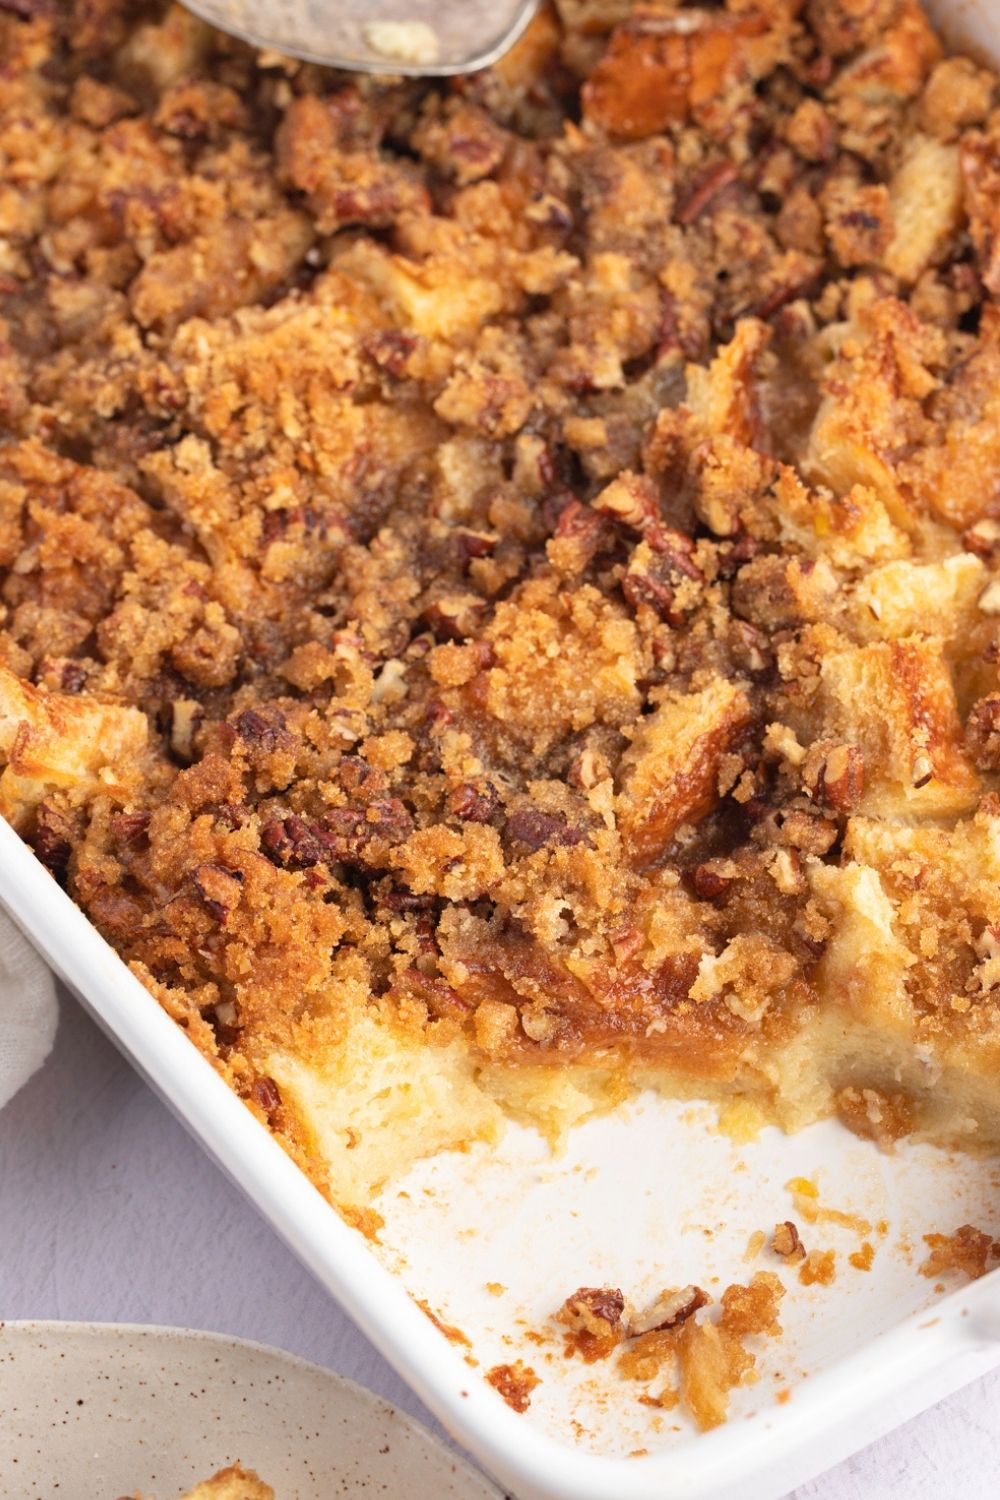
499	577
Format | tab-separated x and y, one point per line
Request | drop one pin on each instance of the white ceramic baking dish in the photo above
656	1206
652	1196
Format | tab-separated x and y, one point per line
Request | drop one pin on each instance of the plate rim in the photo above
34	1330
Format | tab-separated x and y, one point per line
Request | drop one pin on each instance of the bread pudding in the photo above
234	1483
499	578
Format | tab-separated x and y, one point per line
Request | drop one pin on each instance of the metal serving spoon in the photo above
425	37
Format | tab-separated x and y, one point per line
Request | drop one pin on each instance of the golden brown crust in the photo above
513	560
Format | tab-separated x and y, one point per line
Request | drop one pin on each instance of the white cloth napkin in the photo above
28	1010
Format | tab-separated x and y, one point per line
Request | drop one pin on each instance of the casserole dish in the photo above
881	1357
635	1201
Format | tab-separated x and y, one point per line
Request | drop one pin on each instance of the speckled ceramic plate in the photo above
92	1411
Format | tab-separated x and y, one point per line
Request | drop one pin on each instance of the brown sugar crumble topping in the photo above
502	575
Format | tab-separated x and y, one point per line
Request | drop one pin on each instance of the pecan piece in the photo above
841	779
595	1317
474	544
579	535
968	1250
660	575
454	617
186	715
52	839
785	1241
670	1309
793	828
705	189
708	880
264	1093
533	830
983	538
982	734
474	804
390	349
220	889
128	827
262	729
293	842
631	499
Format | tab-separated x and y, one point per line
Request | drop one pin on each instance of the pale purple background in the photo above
109	1212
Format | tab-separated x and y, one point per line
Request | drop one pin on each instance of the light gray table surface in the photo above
109	1212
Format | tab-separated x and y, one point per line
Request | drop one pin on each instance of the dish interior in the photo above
654	1196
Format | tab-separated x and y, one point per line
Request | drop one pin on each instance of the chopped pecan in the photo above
841	780
794	828
763	594
669	1310
359	779
72	678
265	1094
661	573
128	827
454	617
390	349
631	499
750	647
534	829
474	544
408	901
52	839
293	842
261	728
922	770
595	1317
220	889
785	1241
982	733
474	804
579	534
186	715
707	186
348	832
983	538
709	881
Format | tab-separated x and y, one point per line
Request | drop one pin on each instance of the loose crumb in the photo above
864	1258
514	1383
455	1335
755	1245
819	1268
969	1251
